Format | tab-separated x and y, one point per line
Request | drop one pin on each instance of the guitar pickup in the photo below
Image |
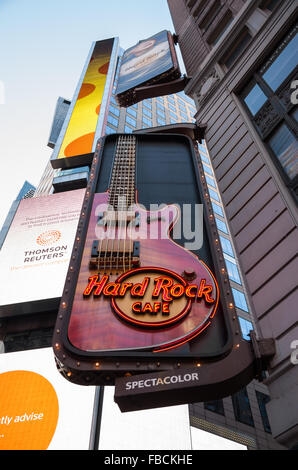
113	253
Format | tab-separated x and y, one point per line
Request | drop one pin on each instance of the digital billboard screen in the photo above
79	131
40	410
35	256
151	59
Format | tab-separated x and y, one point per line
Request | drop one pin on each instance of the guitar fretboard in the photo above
122	183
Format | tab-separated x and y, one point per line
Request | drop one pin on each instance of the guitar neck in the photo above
122	183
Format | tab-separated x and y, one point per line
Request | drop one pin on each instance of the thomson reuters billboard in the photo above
83	124
35	256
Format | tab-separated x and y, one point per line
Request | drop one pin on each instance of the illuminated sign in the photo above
79	134
36	252
135	300
40	410
164	297
150	61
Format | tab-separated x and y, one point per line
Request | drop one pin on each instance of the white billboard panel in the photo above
39	409
35	256
158	429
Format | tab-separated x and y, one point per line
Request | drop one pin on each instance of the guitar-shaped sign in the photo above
137	289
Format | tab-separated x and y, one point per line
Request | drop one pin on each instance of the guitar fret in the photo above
122	184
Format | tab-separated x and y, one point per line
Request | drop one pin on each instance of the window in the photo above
211	15
172	108
173	115
268	102
113	100
219	31
282	65
171	100
202	148
284	146
226	246
183	116
112	120
128	130
262	401
239	299
211	182
216	406
246	326
214	194
181	104
255	99
233	271
160	121
208	170
237	49
130	121
217	209
131	111
146	112
110	130
147	104
204	157
160	113
221	225
114	110
147	122
173	121
269	4
242	408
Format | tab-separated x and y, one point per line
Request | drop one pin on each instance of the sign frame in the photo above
162	84
90	368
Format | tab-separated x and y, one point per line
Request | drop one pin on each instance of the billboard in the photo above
35	256
83	124
38	409
150	61
141	430
140	296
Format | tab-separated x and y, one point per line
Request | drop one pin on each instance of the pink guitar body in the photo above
98	327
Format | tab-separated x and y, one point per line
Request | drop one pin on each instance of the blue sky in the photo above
44	45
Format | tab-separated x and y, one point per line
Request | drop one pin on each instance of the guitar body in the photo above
108	323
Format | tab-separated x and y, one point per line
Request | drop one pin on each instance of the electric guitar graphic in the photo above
137	289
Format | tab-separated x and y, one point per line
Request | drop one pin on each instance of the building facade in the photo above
27	191
241	60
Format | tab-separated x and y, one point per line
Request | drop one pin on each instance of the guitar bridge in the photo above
114	255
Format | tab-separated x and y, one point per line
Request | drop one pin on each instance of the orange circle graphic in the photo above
86	89
104	68
29	411
48	238
80	146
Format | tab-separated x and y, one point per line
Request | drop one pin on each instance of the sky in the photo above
44	45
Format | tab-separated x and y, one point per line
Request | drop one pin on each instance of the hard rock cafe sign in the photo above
133	306
153	297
